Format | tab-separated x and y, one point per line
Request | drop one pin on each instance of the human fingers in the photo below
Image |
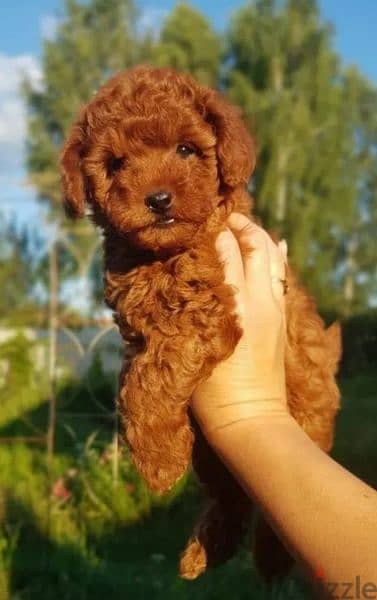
230	256
229	253
254	245
254	242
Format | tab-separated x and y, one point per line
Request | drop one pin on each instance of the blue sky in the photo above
24	23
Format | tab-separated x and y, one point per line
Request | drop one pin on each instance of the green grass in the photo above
118	541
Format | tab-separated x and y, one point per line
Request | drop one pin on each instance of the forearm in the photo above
326	517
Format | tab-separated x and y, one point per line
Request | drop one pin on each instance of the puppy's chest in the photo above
166	298
165	301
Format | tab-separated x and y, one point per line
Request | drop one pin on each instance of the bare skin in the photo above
325	516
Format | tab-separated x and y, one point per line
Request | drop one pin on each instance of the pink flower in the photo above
60	491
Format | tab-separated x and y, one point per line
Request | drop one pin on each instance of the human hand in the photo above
251	383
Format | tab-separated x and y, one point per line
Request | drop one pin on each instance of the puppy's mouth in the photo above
164	221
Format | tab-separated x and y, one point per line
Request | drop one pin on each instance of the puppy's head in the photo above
153	155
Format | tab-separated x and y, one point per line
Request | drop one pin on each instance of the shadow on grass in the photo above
139	560
80	411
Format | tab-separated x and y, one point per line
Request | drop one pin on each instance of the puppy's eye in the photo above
185	150
115	163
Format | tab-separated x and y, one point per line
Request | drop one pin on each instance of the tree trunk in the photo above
351	270
282	150
281	187
53	328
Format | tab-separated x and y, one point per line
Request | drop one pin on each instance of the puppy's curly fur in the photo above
154	130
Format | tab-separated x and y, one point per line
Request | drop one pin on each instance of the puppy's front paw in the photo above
193	561
163	460
160	478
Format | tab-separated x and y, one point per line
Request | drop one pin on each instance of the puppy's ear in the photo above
72	177
235	146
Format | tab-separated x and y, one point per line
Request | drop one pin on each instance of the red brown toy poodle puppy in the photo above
162	161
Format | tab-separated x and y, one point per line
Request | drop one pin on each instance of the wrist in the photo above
228	420
244	446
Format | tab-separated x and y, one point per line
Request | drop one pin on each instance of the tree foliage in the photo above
19	263
94	40
189	43
314	120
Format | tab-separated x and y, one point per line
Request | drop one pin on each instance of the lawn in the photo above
98	538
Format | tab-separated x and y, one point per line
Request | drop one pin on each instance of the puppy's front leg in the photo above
154	418
153	391
181	310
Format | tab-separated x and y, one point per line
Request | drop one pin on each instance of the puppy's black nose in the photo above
158	201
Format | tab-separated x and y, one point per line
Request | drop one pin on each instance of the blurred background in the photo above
76	522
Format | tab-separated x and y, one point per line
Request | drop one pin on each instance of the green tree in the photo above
19	261
305	113
358	251
93	40
314	123
188	43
